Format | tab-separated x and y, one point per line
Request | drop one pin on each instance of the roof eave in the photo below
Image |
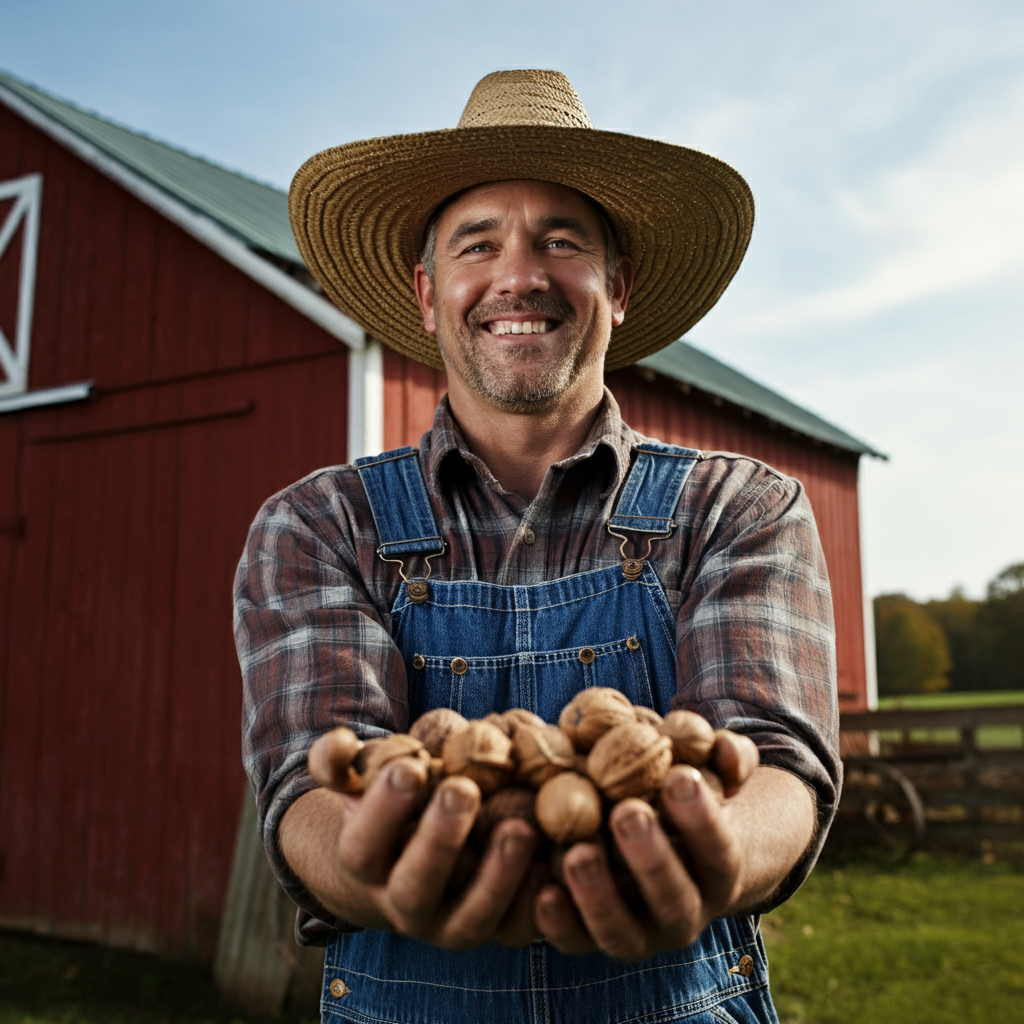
201	227
833	437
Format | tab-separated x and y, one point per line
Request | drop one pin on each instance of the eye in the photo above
477	247
559	243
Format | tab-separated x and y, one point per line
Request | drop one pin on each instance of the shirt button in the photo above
528	535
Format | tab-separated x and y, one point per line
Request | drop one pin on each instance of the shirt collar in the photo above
608	432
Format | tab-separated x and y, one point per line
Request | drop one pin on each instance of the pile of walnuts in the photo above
563	779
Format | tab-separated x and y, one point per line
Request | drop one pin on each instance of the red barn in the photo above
165	364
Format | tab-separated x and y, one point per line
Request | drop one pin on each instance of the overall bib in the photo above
478	648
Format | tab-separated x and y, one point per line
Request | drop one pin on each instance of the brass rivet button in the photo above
459	665
528	535
744	967
418	591
632	643
587	655
339	988
419	661
633	568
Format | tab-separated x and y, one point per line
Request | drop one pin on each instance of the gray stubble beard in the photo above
514	393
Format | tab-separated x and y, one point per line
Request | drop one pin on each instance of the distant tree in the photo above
912	649
1002	619
969	644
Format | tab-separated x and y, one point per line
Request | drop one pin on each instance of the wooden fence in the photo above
966	766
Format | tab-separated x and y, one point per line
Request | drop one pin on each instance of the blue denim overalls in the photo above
477	647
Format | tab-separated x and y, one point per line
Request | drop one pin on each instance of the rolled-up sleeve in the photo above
314	650
755	633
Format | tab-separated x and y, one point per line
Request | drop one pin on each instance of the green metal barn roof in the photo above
258	214
255	212
689	365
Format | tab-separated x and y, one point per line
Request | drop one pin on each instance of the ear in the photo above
425	297
622	285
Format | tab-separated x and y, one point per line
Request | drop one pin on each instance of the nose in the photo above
520	271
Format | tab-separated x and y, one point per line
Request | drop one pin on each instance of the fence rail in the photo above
966	765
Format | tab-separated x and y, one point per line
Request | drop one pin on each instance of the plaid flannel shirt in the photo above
743	572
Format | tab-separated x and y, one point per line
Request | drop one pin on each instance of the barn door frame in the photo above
27	193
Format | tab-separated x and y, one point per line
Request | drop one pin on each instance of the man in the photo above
574	553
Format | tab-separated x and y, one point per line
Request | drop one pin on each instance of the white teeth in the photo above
519	327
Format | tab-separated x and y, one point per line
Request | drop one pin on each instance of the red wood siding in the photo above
659	408
120	774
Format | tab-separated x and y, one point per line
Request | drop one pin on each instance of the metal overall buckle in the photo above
633	568
418	590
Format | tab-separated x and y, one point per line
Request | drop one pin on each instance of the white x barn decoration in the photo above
27	193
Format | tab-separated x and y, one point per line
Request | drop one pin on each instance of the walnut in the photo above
330	760
434	727
540	751
480	752
515	717
630	760
591	713
568	808
511	802
377	753
691	735
647	715
713	782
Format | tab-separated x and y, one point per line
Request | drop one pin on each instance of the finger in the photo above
485	902
520	926
711	846
614	928
417	883
674	901
559	922
734	756
380	820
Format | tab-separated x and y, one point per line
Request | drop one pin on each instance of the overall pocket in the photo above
540	681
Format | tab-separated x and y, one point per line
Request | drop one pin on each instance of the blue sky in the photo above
884	142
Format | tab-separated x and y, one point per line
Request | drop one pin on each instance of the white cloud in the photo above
950	220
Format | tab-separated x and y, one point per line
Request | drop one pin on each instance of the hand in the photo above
736	851
347	850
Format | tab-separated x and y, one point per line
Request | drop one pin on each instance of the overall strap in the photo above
649	496
398	499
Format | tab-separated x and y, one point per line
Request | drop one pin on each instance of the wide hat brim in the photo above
359	211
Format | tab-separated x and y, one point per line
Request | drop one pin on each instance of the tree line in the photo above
953	644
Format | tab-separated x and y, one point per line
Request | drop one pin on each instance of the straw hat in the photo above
359	211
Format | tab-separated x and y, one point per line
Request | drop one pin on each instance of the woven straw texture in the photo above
359	211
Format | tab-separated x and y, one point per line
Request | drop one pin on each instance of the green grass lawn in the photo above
936	941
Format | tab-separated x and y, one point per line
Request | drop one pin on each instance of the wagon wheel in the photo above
881	806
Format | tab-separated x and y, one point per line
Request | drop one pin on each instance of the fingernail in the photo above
455	800
403	777
586	872
515	849
634	825
682	786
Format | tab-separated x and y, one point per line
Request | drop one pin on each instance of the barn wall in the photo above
121	522
660	409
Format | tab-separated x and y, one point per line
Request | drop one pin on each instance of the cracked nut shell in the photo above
481	752
377	753
540	752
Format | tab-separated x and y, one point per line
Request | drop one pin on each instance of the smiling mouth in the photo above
521	326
